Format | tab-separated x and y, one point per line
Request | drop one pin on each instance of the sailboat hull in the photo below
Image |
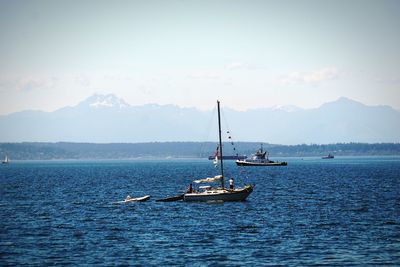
219	195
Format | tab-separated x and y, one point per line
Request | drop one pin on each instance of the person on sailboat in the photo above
189	189
231	183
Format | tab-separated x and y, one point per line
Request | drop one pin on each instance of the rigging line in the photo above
242	169
231	139
228	130
225	121
206	143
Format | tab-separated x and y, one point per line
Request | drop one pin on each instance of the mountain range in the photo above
109	119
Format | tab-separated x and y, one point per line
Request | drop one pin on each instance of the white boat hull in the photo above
134	199
219	195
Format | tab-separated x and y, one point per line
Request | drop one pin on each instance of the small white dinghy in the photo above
134	199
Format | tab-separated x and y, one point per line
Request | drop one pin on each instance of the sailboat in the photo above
210	193
6	160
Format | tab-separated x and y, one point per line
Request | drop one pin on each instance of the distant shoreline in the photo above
183	150
150	159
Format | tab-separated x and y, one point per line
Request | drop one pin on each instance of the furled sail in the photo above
209	180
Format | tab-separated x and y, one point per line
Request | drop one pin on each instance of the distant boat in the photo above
209	193
6	160
330	156
229	157
258	159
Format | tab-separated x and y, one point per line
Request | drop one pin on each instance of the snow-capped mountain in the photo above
107	118
104	101
287	108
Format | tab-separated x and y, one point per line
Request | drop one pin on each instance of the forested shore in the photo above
66	150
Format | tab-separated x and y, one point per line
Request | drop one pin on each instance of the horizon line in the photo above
160	142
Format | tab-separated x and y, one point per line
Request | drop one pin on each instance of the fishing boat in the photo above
217	193
330	156
6	160
260	158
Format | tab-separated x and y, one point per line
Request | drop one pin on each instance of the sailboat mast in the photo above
220	146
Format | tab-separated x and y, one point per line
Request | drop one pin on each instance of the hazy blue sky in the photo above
245	53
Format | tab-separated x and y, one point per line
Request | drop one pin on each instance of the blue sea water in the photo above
339	212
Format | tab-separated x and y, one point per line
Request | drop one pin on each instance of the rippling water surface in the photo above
342	212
